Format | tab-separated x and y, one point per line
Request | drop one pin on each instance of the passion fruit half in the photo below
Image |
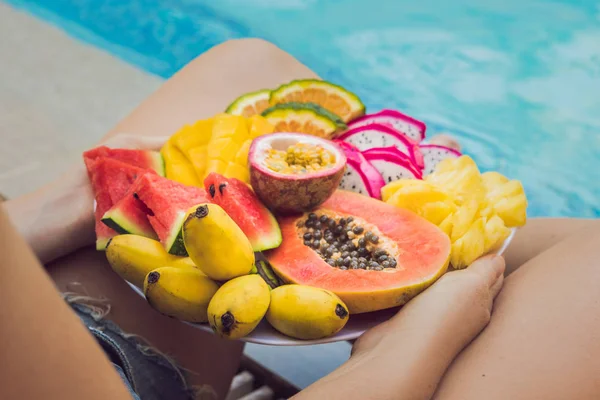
294	172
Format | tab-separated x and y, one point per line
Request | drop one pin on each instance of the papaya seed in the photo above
343	244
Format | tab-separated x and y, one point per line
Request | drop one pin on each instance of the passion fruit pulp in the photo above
294	172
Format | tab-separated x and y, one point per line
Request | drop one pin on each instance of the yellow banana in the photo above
216	244
133	256
182	293
306	312
238	306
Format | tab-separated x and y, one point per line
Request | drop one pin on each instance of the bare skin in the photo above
540	234
421	349
47	352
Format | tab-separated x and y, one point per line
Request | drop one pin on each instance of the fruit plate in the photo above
356	326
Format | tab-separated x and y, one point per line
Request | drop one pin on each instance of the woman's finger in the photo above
495	289
489	268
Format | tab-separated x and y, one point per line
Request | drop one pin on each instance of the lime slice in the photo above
250	104
332	97
301	120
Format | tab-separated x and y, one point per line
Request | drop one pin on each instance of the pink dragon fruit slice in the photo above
411	127
392	164
360	175
434	153
376	135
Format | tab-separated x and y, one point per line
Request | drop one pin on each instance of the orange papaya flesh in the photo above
420	249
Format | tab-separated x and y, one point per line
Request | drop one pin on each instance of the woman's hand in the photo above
407	356
58	218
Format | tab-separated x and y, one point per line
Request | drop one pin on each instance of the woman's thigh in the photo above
202	88
543	341
539	235
208	84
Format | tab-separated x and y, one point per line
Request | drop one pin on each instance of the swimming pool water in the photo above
517	81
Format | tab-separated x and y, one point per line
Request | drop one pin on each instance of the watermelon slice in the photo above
168	202
244	207
111	179
130	215
103	232
146	159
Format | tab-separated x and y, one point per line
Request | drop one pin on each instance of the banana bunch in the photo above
222	283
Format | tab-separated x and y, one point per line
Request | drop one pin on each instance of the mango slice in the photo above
232	127
258	126
222	149
217	166
237	171
241	157
177	166
190	137
199	160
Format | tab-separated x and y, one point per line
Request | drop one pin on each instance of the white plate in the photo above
356	326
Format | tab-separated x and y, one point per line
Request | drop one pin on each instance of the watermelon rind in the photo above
118	221
102	243
269	240
174	243
357	107
249	99
158	162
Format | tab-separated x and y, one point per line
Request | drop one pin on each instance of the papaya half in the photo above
372	255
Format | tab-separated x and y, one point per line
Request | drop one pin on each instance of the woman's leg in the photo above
539	235
202	88
543	341
208	84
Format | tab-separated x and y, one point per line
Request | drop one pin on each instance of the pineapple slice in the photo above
512	210
448	165
423	199
463	219
495	233
461	178
391	188
469	247
507	197
486	209
436	212
446	225
492	179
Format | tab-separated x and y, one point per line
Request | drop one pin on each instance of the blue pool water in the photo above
518	81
